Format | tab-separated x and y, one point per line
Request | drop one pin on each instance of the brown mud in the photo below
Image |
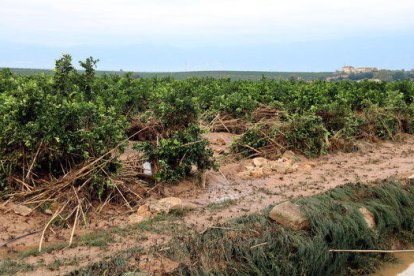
230	192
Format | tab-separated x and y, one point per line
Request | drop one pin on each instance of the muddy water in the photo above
403	267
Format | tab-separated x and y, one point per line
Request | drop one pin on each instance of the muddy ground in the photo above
238	188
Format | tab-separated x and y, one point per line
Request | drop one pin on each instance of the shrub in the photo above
239	104
7	81
174	106
175	156
404	87
408	120
306	133
49	128
380	123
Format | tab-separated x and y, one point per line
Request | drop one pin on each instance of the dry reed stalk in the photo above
55	215
74	225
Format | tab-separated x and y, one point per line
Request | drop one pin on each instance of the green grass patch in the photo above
56	264
110	266
46	249
95	239
159	224
221	204
12	267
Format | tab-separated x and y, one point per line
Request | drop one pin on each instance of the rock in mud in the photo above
262	167
368	217
143	210
17	209
168	204
284	166
158	266
142	214
165	205
289	215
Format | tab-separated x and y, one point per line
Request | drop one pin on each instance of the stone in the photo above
289	215
368	217
142	214
144	211
260	161
168	204
165	205
17	209
159	265
284	166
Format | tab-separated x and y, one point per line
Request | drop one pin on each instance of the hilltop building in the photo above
353	70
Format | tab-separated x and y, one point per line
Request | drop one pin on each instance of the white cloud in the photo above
72	22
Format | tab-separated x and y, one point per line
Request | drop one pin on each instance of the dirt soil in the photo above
238	188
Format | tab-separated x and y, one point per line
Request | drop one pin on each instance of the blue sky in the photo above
183	35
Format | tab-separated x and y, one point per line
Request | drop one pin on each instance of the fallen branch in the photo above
224	125
19	237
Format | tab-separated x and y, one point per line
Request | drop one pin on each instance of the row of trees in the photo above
51	124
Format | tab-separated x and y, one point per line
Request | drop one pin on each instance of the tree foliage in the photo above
57	122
